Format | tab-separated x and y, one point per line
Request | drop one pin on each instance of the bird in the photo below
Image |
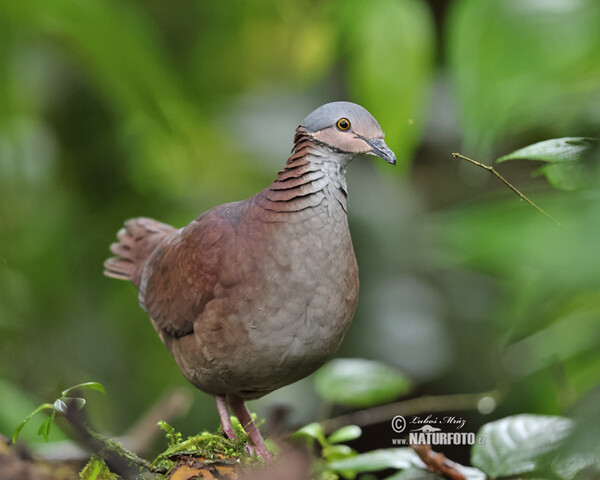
257	294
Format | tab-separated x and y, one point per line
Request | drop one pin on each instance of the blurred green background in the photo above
116	109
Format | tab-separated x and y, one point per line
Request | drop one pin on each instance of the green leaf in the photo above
519	444
312	431
85	386
566	157
415	474
360	383
399	458
45	406
345	434
471	473
568	467
566	149
45	427
338	452
510	74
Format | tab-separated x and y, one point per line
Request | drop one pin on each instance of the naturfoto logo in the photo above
431	430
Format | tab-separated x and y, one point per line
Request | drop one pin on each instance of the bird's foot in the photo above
241	412
225	421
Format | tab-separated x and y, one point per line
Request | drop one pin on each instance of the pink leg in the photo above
224	414
241	412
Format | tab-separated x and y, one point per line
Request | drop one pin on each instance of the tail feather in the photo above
136	241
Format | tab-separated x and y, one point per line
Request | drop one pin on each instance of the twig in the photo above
119	460
438	463
138	438
508	184
440	403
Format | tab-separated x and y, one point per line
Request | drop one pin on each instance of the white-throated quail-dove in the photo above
257	294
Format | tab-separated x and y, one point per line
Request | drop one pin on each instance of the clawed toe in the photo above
250	450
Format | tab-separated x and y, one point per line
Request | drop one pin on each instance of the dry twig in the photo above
508	184
414	406
438	463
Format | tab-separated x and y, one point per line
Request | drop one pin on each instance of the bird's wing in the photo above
182	273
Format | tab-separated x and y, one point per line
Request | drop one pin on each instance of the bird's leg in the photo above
224	414
241	412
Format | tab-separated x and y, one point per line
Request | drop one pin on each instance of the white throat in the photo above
333	165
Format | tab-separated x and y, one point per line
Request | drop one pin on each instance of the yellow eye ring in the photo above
343	124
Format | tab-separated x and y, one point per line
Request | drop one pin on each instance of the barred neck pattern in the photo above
313	175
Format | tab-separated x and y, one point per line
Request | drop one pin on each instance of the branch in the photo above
438	463
139	438
414	406
508	184
119	460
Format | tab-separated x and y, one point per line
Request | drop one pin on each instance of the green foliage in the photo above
16	405
388	45
375	460
345	434
360	383
567	167
519	66
340	460
210	446
173	437
59	407
520	445
96	469
311	432
331	451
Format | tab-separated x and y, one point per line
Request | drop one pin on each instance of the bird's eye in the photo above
343	124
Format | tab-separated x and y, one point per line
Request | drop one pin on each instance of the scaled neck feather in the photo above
314	174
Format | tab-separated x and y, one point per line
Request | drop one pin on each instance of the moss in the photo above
96	469
211	447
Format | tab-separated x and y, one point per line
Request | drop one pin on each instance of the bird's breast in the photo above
304	289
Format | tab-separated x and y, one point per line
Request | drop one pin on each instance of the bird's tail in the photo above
137	239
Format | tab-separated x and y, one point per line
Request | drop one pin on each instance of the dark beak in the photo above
380	149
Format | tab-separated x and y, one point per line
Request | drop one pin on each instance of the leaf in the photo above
519	444
45	427
360	383
45	406
510	48
338	452
399	458
566	156
566	149
345	434
85	386
568	467
414	473
312	431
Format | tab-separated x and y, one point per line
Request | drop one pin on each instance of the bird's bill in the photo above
381	150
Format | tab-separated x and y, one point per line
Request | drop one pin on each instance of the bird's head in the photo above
347	128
